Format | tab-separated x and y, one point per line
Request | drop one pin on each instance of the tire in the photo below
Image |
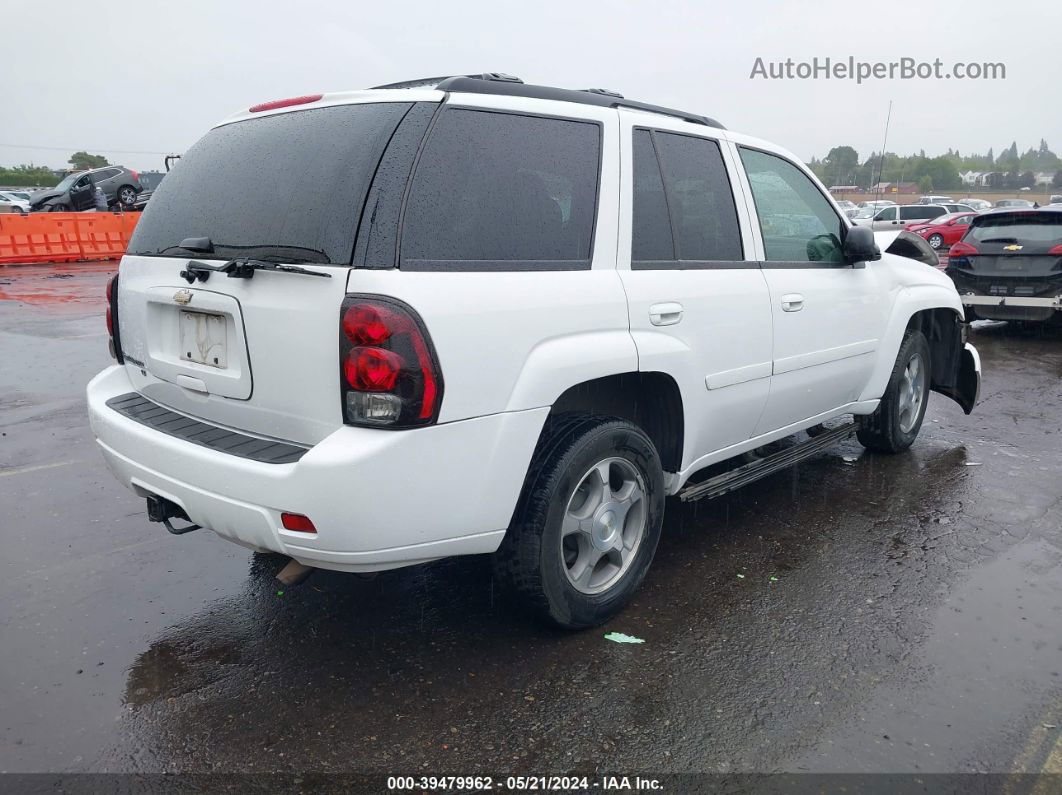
59	208
936	241
569	556
894	426
126	196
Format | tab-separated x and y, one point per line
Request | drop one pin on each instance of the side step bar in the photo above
750	473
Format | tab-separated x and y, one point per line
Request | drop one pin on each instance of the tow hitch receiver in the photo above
159	509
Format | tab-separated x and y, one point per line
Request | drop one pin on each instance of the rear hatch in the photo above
1013	253
253	348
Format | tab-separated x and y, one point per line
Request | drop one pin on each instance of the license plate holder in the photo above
203	338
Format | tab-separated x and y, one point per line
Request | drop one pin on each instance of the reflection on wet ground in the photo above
912	622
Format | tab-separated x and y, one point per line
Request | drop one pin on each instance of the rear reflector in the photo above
285	103
297	522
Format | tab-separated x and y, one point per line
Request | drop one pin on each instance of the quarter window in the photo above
502	191
797	222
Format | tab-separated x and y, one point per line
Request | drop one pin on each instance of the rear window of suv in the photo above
503	191
289	186
1017	228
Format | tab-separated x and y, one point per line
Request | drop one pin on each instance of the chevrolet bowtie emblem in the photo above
183	296
1012	247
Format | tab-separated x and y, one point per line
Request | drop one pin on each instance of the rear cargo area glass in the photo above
293	181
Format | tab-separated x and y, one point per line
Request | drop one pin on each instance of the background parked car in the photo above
847	207
14	202
897	217
935	200
1056	199
943	231
977	204
1008	265
119	184
1014	203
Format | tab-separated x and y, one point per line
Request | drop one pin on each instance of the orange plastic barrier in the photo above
64	237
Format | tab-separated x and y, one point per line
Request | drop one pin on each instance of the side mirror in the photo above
859	246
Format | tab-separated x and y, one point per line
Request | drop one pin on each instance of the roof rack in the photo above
500	83
425	82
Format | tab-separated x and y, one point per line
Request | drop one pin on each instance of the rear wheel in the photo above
894	426
588	521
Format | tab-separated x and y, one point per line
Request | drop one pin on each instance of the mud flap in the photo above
967	388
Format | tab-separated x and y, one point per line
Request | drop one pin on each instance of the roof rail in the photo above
500	83
477	85
425	82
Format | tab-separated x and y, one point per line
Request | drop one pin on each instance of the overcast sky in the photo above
150	77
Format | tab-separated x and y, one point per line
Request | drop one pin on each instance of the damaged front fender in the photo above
966	389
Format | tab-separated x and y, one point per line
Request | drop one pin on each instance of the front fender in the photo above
967	389
909	301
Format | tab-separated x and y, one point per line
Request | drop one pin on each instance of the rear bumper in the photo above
379	499
1054	302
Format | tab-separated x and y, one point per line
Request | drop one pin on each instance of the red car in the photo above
941	232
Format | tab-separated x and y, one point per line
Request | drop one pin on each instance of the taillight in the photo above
285	103
959	253
115	341
389	374
1055	251
136	174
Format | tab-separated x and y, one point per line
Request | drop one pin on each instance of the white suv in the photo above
377	328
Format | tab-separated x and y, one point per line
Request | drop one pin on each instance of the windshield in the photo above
292	184
1024	228
68	180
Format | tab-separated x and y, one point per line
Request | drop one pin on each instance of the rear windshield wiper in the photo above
241	269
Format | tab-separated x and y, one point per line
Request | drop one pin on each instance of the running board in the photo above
750	473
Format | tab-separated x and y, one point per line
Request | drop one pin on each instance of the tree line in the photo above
31	176
1008	170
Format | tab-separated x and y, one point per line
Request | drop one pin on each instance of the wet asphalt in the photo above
857	613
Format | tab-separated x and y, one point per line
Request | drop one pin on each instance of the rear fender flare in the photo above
556	364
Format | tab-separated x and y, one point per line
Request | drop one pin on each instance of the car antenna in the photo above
881	157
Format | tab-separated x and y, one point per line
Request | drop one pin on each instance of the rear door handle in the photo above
792	302
667	314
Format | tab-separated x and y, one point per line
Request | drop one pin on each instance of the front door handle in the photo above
667	314
792	302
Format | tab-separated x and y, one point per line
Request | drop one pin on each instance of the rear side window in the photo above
683	211
915	212
288	187
503	191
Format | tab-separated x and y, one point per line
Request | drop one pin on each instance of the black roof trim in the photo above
498	83
432	82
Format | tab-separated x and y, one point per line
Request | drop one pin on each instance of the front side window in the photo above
797	222
888	214
503	191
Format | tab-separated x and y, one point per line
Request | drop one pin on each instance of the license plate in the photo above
203	338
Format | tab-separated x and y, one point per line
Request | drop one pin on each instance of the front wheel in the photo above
59	208
936	241
894	426
588	521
